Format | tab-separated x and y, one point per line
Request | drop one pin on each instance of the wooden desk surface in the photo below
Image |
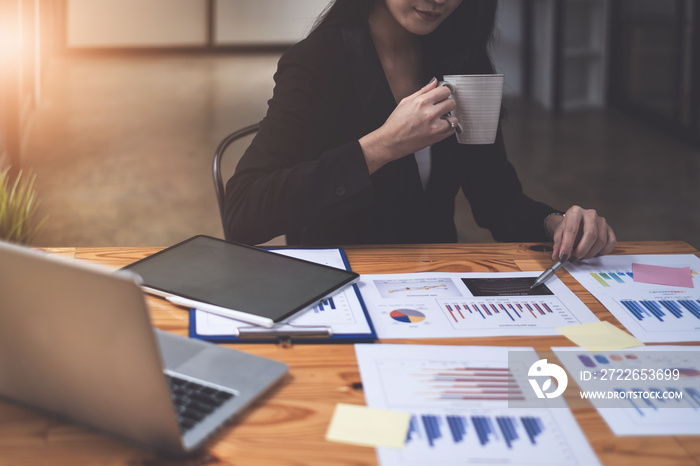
288	426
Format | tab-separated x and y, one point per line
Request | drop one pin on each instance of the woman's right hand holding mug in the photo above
419	120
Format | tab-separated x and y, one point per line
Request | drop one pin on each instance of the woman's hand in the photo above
581	234
416	123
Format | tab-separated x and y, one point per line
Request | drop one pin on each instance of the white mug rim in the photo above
496	75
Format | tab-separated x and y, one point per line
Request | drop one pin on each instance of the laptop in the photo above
76	341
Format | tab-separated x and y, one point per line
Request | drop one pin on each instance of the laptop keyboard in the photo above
193	401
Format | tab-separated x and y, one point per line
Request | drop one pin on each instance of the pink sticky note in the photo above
660	275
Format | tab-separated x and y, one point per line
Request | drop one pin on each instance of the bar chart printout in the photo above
679	368
540	312
457	397
507	301
443	305
653	313
481	431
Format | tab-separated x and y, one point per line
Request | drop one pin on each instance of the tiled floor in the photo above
122	149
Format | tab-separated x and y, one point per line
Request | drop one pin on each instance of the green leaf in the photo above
19	205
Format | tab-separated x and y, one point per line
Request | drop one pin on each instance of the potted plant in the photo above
18	208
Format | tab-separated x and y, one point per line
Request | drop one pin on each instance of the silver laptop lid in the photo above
77	341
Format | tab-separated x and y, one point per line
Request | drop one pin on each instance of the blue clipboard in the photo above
319	334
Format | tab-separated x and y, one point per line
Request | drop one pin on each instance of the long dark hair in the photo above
460	45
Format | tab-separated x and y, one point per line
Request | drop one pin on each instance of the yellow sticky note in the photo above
360	425
599	336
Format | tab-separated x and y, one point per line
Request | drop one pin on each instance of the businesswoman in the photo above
356	146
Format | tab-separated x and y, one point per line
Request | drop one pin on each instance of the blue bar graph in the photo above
691	397
654	309
694	396
458	427
533	427
325	303
692	306
431	424
663	309
483	428
487	429
507	426
617	278
673	308
631	401
413	430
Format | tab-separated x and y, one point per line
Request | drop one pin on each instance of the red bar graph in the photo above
540	311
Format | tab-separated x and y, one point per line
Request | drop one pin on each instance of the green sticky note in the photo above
599	336
360	425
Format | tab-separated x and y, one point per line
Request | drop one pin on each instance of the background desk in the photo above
288	427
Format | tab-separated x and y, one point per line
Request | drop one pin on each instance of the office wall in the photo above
655	66
542	60
185	23
261	22
136	23
177	23
507	50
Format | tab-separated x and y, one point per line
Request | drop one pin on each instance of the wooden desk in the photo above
288	427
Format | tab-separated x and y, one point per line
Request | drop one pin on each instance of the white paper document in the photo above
456	396
444	305
342	313
651	312
649	390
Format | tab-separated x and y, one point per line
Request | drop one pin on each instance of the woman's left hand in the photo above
581	234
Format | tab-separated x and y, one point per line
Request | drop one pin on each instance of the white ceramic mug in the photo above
478	98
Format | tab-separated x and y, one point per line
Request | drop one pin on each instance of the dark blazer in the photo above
305	176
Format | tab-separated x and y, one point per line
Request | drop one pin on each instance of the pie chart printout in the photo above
407	316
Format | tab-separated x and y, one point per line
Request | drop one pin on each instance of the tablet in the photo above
239	277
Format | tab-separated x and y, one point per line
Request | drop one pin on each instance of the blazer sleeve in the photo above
291	177
496	196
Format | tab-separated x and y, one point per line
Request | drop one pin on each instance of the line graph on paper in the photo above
417	287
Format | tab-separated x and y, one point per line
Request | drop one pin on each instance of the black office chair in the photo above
216	166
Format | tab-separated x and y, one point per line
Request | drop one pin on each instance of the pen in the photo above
550	271
285	333
222	311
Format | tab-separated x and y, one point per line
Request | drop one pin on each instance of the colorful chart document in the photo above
457	416
650	390
444	305
651	312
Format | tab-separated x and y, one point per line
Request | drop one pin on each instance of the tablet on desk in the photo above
248	280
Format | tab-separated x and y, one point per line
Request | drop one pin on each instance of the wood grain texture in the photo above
288	426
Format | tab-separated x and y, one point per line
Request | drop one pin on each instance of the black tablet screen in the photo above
239	277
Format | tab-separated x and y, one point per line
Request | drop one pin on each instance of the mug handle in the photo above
450	86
